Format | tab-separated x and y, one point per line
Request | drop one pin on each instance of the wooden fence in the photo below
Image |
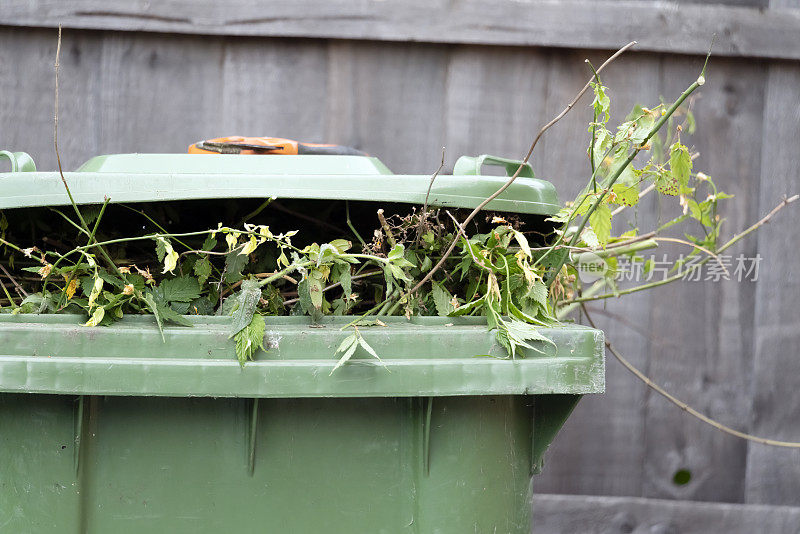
403	80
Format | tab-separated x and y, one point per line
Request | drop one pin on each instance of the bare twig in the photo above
388	231
682	405
511	180
427	195
21	292
694	245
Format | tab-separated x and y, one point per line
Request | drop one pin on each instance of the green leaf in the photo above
468	308
327	252
249	296
442	299
398	273
347	348
202	269
181	289
341	274
366	346
601	102
600	219
153	307
161	248
680	163
234	263
396	253
304	296
342	245
523	242
519	333
538	292
170	315
250	339
643	125
627	195
315	292
209	243
666	184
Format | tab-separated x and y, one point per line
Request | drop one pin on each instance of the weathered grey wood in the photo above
388	99
661	26
704	354
568	514
773	475
496	99
159	93
27	82
274	87
602	446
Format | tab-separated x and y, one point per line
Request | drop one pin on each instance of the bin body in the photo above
151	464
114	430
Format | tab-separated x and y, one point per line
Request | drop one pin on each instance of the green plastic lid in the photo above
164	177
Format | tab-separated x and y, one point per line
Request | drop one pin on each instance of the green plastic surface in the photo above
132	465
421	357
163	177
140	435
112	429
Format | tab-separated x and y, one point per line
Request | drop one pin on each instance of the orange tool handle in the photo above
268	145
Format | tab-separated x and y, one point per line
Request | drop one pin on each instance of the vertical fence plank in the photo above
495	101
27	81
159	93
773	475
601	447
274	87
704	328
388	99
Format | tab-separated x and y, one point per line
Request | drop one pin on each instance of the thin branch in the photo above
685	407
350	225
511	180
21	292
388	231
764	220
427	195
694	245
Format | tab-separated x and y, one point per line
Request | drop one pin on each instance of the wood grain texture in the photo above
159	93
275	88
610	426
661	26
27	81
388	99
569	514
496	101
773	475
704	352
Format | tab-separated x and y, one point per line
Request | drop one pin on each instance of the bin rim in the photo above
420	357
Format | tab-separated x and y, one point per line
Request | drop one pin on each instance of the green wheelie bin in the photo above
114	429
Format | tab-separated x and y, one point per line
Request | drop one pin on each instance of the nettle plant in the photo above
521	278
